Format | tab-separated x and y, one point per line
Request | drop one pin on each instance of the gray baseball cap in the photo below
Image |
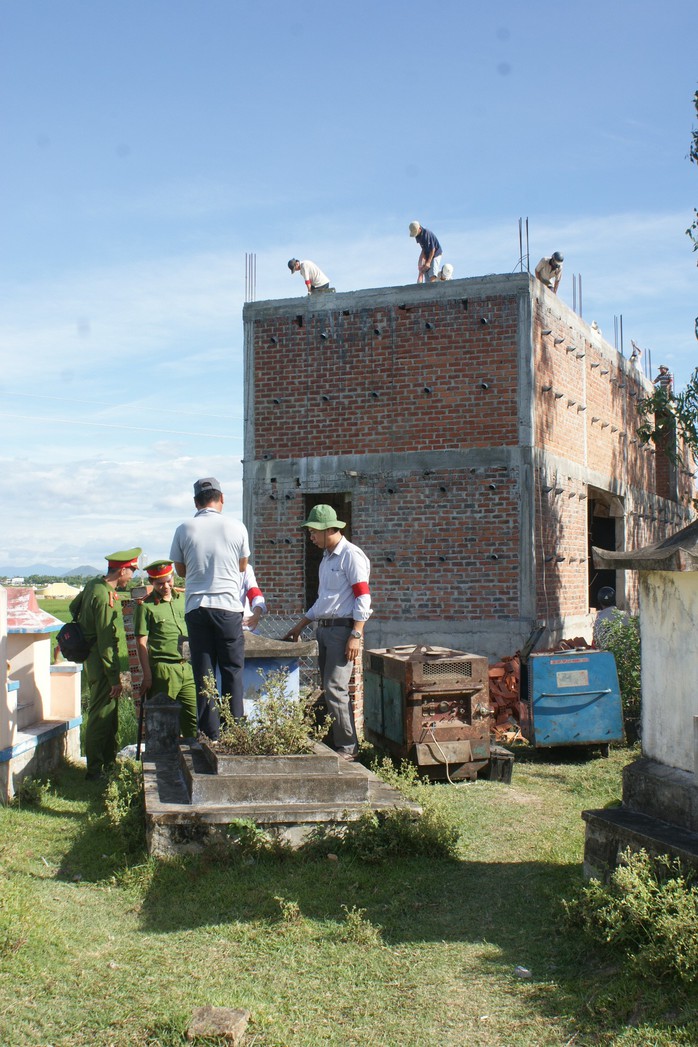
209	483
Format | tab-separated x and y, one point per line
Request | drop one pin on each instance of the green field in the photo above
100	947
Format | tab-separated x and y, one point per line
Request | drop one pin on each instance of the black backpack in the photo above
71	640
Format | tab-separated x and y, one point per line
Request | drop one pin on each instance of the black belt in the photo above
327	622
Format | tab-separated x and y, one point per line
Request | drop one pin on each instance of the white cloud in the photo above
151	356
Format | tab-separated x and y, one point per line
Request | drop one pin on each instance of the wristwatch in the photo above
356	634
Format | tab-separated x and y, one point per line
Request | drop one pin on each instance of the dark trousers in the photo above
216	643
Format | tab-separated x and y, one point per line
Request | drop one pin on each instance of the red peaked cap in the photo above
124	558
159	569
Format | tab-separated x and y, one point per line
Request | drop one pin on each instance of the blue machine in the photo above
574	699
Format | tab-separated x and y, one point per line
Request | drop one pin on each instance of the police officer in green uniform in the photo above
95	610
160	630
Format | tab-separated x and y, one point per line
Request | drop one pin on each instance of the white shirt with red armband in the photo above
251	595
343	590
313	275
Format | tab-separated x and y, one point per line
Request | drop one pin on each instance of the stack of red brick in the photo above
510	715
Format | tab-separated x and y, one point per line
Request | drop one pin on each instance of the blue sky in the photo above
148	145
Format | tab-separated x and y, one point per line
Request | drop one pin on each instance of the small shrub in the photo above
620	634
290	910
378	836
358	929
404	776
245	839
31	792
648	911
397	832
124	805
281	725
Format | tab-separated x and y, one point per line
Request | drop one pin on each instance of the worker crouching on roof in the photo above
340	612
161	634
315	279
549	271
431	255
95	611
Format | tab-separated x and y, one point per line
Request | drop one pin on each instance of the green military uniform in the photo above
95	608
162	621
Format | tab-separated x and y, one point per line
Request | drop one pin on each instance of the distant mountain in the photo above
24	572
12	571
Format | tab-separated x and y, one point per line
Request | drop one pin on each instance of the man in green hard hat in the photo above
340	612
161	634
95	610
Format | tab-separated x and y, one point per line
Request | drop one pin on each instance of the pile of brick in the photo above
510	715
508	711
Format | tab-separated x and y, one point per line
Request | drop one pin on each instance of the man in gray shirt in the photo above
210	551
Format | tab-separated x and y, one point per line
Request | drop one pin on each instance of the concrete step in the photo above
322	761
611	831
261	789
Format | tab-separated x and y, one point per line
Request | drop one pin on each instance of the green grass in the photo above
98	947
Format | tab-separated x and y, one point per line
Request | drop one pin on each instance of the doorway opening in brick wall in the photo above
341	503
606	530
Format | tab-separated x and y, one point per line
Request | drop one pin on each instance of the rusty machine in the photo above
431	705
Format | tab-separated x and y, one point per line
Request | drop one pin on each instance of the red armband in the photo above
360	588
253	593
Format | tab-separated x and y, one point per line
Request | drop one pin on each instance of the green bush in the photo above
648	911
244	838
282	725
358	929
31	792
620	634
124	805
398	832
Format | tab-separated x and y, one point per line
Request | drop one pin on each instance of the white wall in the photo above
669	634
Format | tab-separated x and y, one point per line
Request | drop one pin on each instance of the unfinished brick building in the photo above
477	435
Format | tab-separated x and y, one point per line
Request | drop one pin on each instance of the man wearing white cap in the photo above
429	262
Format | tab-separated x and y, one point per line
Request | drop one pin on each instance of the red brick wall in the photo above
442	545
431	376
586	403
374	365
